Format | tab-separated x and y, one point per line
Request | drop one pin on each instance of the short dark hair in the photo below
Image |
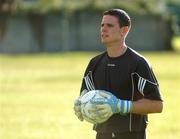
123	17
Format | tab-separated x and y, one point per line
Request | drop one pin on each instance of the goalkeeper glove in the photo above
111	104
77	106
77	109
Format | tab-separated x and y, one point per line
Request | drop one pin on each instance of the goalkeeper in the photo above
126	74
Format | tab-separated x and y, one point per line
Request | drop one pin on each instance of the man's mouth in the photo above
104	35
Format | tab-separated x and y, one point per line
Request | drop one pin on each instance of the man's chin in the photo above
104	41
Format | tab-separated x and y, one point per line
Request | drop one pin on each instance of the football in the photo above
88	109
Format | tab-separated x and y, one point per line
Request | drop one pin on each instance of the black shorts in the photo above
126	135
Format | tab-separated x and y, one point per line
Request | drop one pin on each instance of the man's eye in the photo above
109	25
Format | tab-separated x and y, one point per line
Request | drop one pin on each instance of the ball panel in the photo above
89	110
87	97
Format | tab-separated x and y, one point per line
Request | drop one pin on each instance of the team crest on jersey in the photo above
111	65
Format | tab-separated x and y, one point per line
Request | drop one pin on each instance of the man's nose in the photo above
103	29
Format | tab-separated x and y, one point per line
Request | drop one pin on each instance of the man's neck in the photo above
116	50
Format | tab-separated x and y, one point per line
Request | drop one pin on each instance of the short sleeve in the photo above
87	81
145	80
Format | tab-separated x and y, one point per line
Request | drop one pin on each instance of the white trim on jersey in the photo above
142	82
89	81
141	85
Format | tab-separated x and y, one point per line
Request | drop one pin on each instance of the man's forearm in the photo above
145	106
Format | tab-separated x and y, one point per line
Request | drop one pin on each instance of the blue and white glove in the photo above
77	106
77	109
111	104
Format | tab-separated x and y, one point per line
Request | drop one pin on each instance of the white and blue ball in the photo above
88	108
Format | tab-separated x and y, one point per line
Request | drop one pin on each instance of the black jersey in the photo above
128	77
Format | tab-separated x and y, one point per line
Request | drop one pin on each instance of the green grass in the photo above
37	94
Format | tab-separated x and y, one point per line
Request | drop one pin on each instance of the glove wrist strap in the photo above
124	106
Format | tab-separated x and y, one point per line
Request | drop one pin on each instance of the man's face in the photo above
110	30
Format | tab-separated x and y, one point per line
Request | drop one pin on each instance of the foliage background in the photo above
136	6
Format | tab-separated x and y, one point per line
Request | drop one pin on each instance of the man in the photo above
127	75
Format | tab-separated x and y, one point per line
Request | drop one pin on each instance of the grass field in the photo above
37	93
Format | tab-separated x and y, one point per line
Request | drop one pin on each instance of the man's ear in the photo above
125	29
